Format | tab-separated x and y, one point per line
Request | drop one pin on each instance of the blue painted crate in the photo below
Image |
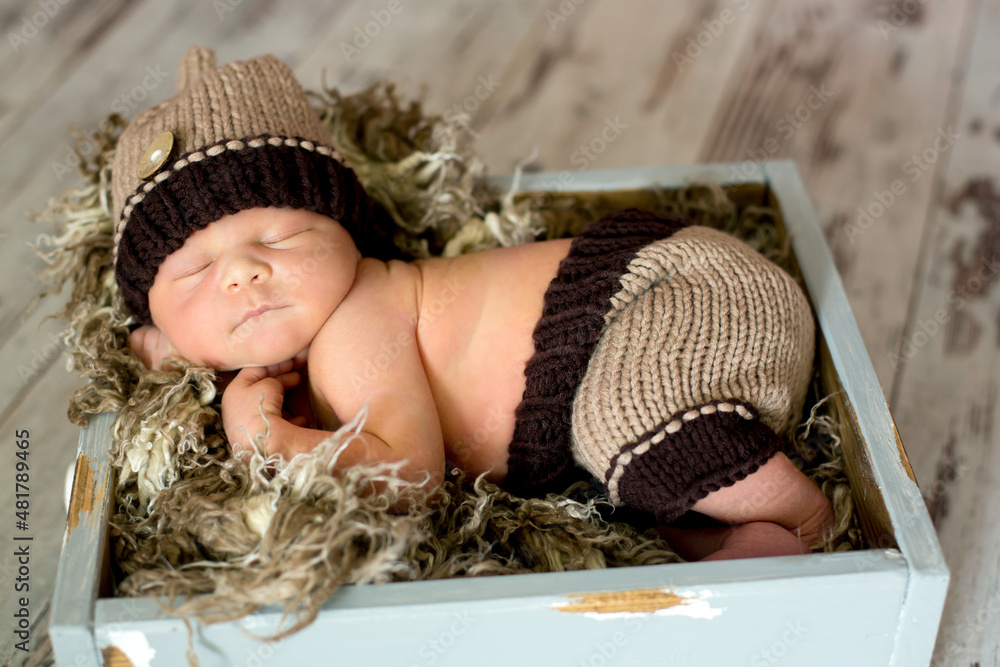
876	607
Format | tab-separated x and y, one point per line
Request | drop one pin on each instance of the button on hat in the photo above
156	155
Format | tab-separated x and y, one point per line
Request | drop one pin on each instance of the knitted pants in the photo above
670	360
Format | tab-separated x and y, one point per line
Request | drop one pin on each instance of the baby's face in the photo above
253	288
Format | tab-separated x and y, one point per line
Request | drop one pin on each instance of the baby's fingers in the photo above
289	380
246	392
251	375
274	370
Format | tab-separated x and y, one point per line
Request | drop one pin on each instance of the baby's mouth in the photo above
251	315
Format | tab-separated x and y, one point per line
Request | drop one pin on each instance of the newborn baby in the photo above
663	357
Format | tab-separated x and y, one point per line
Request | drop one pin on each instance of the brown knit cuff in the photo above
687	457
571	324
204	185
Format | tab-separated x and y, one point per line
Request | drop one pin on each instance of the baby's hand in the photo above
151	346
254	390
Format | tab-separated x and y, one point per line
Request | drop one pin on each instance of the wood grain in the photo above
45	48
945	400
414	49
887	93
612	61
893	89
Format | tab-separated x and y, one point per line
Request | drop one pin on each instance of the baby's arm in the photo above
402	422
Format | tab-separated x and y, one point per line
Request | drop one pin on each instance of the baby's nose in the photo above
244	271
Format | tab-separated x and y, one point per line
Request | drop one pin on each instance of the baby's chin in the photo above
258	359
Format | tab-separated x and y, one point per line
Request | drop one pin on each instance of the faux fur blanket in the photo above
189	519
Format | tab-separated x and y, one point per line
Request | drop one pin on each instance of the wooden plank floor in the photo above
863	94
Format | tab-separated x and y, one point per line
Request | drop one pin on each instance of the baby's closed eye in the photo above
282	237
193	270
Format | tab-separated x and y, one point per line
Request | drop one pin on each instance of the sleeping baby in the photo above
668	360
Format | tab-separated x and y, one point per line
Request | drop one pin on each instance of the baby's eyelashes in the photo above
278	238
193	271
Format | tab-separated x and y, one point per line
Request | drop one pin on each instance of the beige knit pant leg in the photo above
704	363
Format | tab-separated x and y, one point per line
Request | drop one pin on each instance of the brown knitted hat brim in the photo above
205	185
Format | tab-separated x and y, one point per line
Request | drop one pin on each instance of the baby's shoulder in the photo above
378	312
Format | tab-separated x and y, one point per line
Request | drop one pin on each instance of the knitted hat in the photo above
235	137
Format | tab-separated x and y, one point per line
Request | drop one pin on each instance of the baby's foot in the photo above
749	540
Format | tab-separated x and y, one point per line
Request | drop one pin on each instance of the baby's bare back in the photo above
474	317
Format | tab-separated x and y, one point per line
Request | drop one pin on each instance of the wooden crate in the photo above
879	606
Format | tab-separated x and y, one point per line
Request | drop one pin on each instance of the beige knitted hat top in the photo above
235	137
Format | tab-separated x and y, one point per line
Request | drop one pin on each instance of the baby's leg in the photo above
780	511
777	492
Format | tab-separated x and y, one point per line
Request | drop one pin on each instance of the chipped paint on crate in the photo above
114	657
84	494
641	602
128	648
